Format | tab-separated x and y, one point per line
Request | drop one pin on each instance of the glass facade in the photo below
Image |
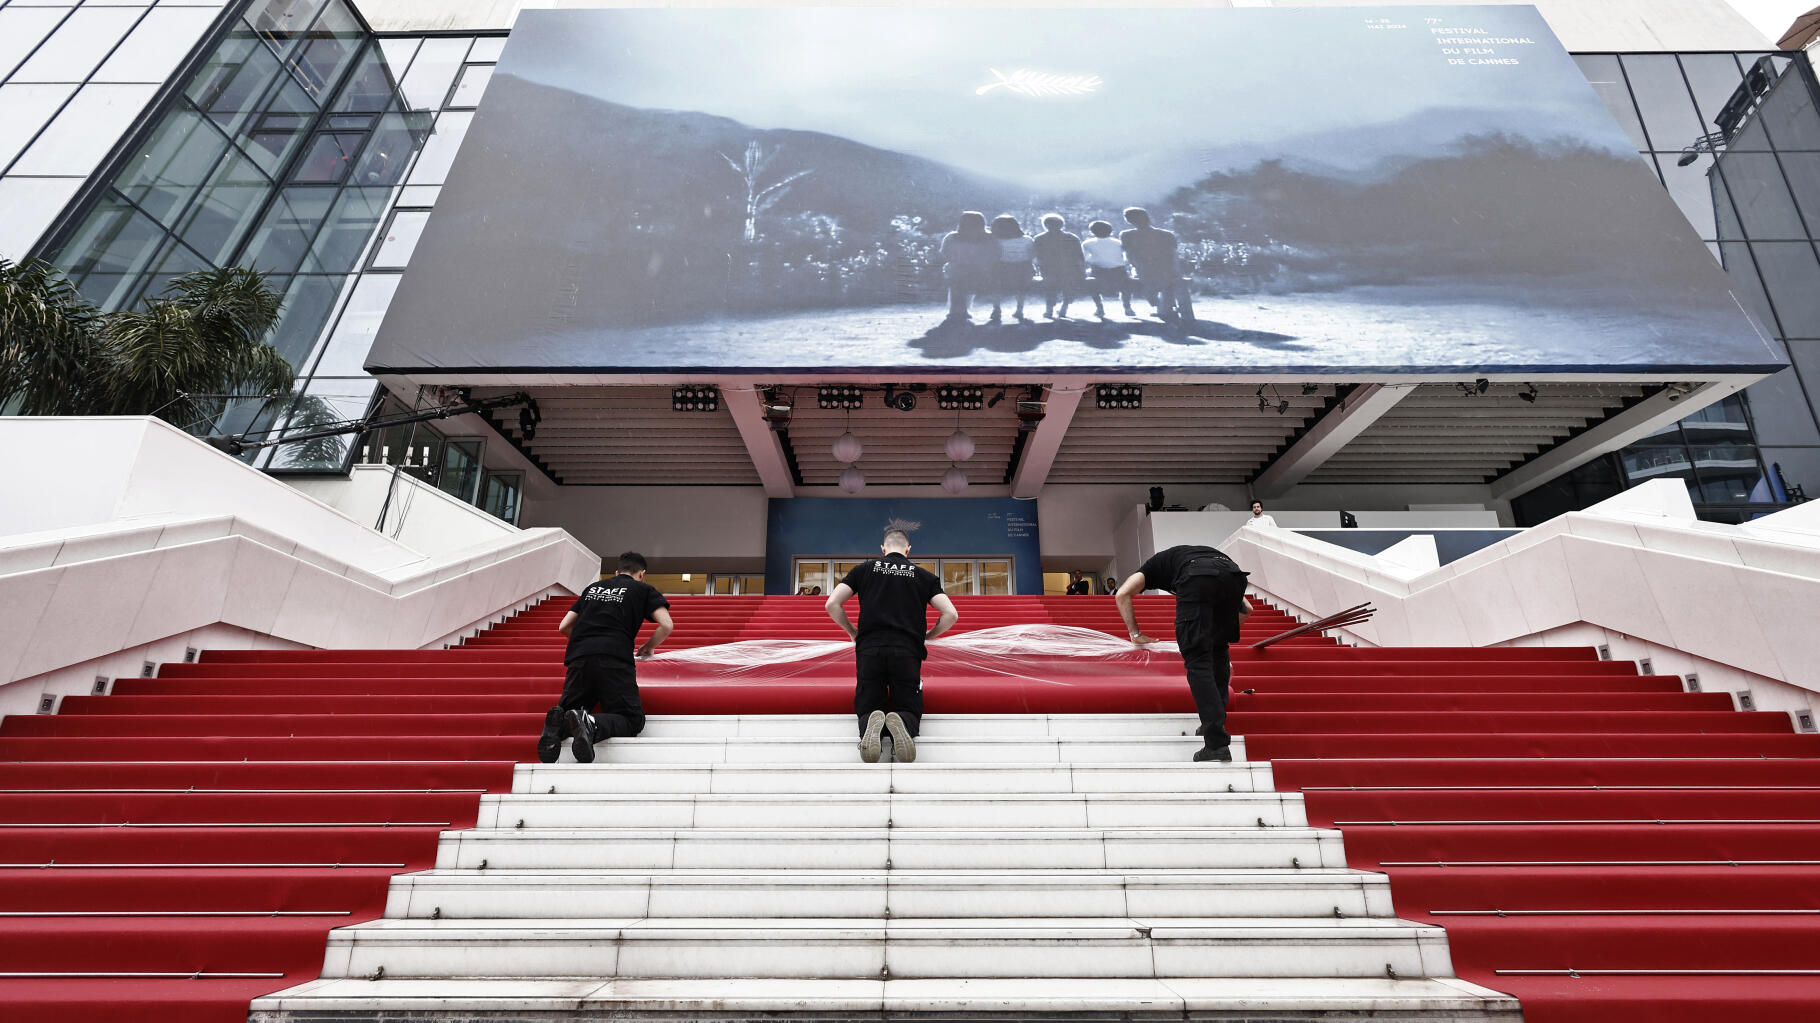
1735	138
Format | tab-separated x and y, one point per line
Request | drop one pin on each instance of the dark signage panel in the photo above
1402	189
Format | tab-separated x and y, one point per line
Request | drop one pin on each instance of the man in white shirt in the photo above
1258	518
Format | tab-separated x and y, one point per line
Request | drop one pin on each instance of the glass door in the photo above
995	578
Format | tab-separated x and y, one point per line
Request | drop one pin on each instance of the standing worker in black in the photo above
601	625
1210	606
888	645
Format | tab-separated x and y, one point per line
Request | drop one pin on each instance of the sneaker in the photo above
869	743
903	744
1219	754
581	726
549	744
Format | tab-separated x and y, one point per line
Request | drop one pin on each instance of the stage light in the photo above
527	423
1310	389
956	398
1529	395
903	401
1000	396
1119	396
1476	388
695	398
1282	406
840	396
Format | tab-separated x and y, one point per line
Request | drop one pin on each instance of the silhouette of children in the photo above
1062	264
1152	253
971	257
1012	277
1105	257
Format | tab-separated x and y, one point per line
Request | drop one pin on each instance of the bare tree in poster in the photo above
760	197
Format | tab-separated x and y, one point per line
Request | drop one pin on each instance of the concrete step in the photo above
1250	848
920	777
930	749
946	726
863	949
900	811
898	894
1002	1000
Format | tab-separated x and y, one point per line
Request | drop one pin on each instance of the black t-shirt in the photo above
608	615
1079	587
892	595
1208	585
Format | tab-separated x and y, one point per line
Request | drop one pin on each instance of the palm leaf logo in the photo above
1040	84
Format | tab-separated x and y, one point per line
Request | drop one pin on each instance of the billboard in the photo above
1399	189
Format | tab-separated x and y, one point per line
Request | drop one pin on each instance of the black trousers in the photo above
1206	620
610	682
891	680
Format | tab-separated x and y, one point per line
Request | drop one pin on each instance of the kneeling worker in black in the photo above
1210	606
601	625
888	645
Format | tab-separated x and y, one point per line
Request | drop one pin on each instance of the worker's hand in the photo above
853	635
1139	639
648	651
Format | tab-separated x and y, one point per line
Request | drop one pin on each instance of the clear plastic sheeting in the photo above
1051	654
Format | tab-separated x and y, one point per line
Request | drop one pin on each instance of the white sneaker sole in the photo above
903	746
870	744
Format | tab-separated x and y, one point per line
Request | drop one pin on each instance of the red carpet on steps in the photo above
1601	844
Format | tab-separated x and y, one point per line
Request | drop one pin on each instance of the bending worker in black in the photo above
1210	606
889	650
602	625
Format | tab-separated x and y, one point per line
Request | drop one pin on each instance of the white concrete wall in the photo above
1580	24
160	542
1637	573
676	528
418	516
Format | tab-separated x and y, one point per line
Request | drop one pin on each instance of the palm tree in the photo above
176	358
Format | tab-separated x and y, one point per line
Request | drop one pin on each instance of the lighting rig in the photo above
1529	395
1476	388
956	398
1119	396
1265	404
1031	408
695	398
529	415
840	396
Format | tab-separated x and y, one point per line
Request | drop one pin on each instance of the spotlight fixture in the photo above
1000	396
528	418
1282	406
1677	391
695	398
840	396
1310	389
1030	409
903	401
1119	396
1476	388
1529	395
955	398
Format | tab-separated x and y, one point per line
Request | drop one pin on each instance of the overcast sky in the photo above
906	79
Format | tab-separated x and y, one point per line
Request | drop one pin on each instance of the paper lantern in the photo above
852	480
960	446
847	448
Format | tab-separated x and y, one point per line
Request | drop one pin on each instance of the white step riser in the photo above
459	898
931	750
945	726
907	779
1272	848
861	955
902	812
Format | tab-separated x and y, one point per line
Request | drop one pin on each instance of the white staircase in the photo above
726	868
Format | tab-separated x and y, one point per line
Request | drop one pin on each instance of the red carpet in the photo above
1654	854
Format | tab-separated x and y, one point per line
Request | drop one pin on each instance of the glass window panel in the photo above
328	158
334	41
370	87
83	132
471	85
1787	114
22	29
1802	171
167	172
1761	196
176	260
225	210
439	152
751	585
346	352
1728	473
499	496
78	46
350	227
1641	464
327	401
957	577
812	575
156	45
1742	269
995	578
273	137
1791	275
1713	77
284	236
1668	109
399	53
307	305
115	242
427	82
1691	190
401	239
386	157
461	470
281	22
487	48
1608	81
24	110
233	83
1725	212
